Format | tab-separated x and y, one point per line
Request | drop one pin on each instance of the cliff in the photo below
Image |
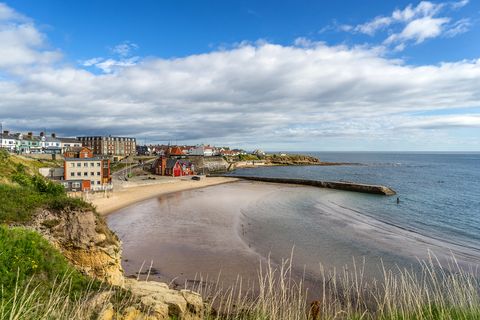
89	245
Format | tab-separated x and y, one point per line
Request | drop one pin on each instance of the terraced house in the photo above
28	143
8	141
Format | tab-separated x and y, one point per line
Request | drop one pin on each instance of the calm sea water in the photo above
439	193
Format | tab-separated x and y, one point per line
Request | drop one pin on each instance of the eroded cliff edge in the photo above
86	241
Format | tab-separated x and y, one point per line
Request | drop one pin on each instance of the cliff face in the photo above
85	240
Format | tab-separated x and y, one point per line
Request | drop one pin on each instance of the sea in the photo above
229	228
439	193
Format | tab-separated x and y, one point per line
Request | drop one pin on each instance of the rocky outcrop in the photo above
291	160
85	240
165	303
151	301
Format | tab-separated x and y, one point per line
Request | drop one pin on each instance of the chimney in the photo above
42	134
54	135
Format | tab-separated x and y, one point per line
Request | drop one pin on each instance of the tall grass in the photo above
31	303
432	291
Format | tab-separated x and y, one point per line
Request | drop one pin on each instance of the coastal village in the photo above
87	163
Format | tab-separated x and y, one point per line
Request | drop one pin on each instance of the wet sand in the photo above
229	229
188	235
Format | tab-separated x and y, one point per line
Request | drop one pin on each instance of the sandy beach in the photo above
127	193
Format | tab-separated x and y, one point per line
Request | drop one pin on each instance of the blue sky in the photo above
286	75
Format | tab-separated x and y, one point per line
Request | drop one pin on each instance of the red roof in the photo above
175	151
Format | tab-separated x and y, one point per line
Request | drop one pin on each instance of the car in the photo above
196	178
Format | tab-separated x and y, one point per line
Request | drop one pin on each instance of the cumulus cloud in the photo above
259	93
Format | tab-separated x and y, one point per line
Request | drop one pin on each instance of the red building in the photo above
173	167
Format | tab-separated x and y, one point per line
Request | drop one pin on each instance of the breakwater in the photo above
339	185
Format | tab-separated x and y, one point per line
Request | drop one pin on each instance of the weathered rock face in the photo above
85	241
153	301
164	303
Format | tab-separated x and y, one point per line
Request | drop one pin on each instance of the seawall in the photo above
339	185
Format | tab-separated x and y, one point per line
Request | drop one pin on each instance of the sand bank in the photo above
129	193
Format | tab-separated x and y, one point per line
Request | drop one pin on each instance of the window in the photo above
72	165
98	164
79	164
76	185
72	174
98	173
92	173
79	174
98	182
92	164
85	174
85	164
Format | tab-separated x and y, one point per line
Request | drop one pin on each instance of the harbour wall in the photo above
339	185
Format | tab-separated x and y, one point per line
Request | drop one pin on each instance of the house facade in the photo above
85	172
173	167
66	143
201	150
8	141
28	143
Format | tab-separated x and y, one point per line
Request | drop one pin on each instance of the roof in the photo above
72	140
9	136
84	159
175	151
171	163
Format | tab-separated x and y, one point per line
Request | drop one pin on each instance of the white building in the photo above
66	143
201	150
9	141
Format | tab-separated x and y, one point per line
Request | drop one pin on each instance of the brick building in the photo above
110	146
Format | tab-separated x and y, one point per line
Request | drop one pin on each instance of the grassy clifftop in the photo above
23	190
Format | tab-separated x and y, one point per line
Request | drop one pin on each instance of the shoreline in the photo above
132	193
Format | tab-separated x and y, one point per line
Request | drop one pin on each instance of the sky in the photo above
280	75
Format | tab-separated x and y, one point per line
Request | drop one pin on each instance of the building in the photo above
118	147
66	143
78	152
28	143
8	141
201	150
85	172
174	167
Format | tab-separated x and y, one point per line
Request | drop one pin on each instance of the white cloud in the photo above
419	30
124	49
251	94
459	27
415	24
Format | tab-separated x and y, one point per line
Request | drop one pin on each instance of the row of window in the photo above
85	174
78	185
85	164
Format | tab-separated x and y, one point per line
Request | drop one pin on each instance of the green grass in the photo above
26	257
23	191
